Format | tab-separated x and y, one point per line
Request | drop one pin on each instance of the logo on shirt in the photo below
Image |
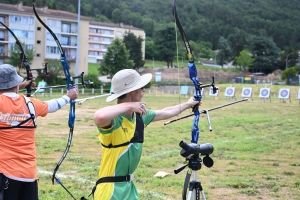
13	119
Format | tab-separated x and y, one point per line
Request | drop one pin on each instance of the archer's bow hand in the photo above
25	83
73	93
194	102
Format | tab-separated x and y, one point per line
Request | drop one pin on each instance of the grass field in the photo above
256	151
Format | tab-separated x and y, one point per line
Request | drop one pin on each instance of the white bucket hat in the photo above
9	77
127	80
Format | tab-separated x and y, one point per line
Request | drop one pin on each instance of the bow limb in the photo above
70	85
24	61
193	76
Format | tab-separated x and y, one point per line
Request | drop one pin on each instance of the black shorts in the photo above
18	190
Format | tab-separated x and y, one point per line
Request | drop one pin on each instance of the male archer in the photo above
121	133
18	113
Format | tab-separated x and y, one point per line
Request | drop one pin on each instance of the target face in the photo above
264	92
284	93
247	92
229	92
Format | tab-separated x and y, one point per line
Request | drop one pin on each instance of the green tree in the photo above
289	72
148	26
56	76
93	78
134	46
126	17
196	49
70	8
165	44
15	56
265	52
224	50
115	59
244	60
116	15
150	49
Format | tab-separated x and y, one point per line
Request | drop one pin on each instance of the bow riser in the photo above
68	76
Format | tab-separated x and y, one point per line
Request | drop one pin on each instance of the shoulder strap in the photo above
32	117
138	134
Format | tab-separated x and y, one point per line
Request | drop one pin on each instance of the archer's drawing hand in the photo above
138	107
73	93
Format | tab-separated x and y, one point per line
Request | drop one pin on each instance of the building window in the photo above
2	35
22	33
96	46
53	23
66	28
38	28
38	41
52	50
65	40
29	46
50	37
107	32
20	19
11	46
38	55
1	50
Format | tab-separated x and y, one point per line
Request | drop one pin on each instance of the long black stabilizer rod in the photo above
205	111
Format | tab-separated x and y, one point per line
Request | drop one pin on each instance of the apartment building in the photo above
95	37
102	34
22	21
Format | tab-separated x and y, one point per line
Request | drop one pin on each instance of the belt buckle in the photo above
131	177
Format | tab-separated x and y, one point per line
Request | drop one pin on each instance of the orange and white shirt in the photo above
17	145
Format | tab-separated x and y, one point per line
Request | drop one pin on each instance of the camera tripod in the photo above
194	164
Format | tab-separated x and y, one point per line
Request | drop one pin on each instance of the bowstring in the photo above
178	73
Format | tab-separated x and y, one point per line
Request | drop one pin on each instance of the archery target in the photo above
284	93
264	93
229	92
298	94
211	92
184	90
247	92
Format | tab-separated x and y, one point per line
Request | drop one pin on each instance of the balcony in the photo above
70	44
70	57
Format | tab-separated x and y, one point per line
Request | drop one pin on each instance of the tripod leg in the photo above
195	190
203	195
